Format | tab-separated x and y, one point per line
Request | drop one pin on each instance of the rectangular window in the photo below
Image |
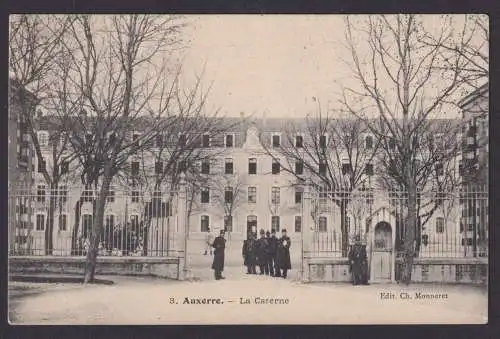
205	167
87	222
205	140
63	222
298	223
182	140
40	222
205	195
299	141
88	138
252	166
460	168
276	140
41	165
229	140
275	223
322	168
298	195
228	166
275	195
368	142
228	195
135	137
159	140
134	222
439	225
158	167
252	195
111	195
110	222
135	196
205	223
322	141
40	194
439	169
299	167
88	193
43	139
228	223
135	168
346	168
62	193
64	167
392	144
275	167
322	224
369	169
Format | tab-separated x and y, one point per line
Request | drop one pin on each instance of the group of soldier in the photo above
358	263
270	253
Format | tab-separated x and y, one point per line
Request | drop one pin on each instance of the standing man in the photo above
284	261
270	254
262	245
209	239
274	251
250	252
357	259
218	265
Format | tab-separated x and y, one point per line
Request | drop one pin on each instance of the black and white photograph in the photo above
172	169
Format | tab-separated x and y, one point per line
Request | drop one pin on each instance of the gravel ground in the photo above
158	301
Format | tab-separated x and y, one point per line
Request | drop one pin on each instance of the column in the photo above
183	229
307	230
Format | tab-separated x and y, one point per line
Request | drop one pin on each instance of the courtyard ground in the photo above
133	300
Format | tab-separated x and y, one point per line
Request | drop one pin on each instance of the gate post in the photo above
183	229
307	229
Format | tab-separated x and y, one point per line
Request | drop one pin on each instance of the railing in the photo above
59	222
450	224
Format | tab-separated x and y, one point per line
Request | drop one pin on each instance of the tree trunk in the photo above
49	229
97	227
409	239
344	229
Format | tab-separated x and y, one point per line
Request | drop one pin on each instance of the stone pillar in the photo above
182	222
307	230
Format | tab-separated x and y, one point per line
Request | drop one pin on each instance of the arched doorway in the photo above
382	256
251	225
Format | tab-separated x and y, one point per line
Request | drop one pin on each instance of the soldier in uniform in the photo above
248	252
219	245
357	259
273	247
262	249
284	262
270	253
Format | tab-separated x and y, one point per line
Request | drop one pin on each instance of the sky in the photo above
272	65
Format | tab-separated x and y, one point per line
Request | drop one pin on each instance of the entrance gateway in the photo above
382	248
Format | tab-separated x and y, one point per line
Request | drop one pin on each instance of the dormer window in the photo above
182	140
392	144
299	141
439	169
276	140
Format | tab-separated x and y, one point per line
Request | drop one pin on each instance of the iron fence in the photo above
450	224
59	222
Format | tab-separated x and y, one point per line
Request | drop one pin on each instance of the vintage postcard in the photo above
248	169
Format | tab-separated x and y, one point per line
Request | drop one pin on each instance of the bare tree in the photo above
229	194
400	79
337	154
34	42
120	65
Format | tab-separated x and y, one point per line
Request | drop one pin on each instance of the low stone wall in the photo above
327	269
425	270
448	270
164	267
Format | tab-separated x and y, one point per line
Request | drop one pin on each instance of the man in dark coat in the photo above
273	246
284	262
357	260
219	246
270	253
262	250
248	252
